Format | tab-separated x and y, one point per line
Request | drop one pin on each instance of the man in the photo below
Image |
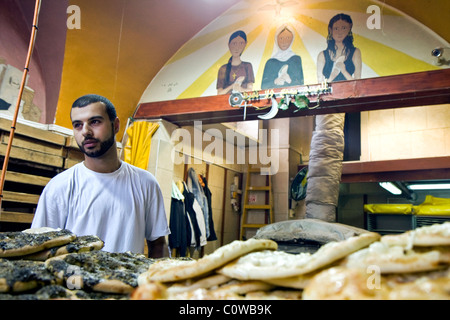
104	196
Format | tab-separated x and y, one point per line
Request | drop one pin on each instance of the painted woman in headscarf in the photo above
284	68
236	75
341	60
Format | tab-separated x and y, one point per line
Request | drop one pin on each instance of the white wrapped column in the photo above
325	167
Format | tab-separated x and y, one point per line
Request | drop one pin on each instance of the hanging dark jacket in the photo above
208	194
189	207
195	187
180	233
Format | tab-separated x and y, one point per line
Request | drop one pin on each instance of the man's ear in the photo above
116	125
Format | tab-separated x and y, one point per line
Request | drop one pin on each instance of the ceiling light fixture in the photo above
392	188
429	186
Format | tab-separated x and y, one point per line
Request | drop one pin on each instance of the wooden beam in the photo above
20	197
26	178
435	168
17	217
396	170
35	133
406	90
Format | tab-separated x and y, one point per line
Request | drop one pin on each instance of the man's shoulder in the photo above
132	169
69	171
62	179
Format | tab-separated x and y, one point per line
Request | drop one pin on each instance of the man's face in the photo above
92	129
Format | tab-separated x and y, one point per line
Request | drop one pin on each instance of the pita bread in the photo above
444	252
241	287
340	283
265	265
393	259
149	291
296	282
274	295
161	265
422	289
434	235
208	263
208	282
334	251
233	290
274	265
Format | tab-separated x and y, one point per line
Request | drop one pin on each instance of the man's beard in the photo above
104	146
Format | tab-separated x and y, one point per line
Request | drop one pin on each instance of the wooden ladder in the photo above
250	207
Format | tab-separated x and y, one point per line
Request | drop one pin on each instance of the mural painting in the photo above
236	75
294	43
341	60
284	68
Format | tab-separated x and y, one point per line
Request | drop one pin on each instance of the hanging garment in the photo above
137	147
177	193
178	236
194	186
189	200
201	222
208	194
190	230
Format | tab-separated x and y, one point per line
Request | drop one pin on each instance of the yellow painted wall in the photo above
107	57
434	14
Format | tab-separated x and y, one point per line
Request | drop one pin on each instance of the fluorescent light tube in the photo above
429	186
392	188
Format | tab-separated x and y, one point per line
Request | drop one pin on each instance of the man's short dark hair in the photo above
88	99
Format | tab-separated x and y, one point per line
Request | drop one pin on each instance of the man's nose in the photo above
87	130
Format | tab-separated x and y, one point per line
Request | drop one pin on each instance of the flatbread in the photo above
17	243
150	291
208	282
444	252
22	275
422	289
434	235
99	271
334	251
434	285
210	262
279	294
393	259
232	290
59	292
295	282
340	283
80	244
265	265
274	265
240	288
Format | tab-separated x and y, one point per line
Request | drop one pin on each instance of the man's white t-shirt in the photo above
122	208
